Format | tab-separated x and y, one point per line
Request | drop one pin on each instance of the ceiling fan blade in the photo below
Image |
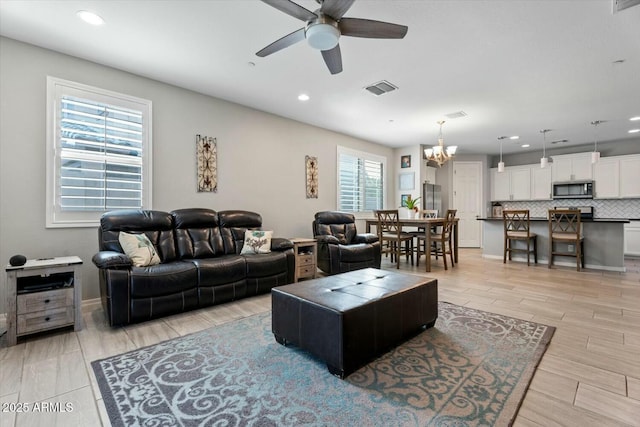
355	27
280	44
333	59
336	8
292	9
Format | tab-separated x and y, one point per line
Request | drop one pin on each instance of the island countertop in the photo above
604	220
603	242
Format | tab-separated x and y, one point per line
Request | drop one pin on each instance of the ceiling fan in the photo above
325	26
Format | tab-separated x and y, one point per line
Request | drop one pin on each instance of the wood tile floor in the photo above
589	376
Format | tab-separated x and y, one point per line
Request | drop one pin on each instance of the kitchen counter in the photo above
532	219
603	242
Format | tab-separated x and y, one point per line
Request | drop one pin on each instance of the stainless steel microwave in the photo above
573	190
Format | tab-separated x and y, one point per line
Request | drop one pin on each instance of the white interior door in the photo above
467	199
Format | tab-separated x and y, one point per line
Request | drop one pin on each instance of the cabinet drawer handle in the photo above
46	319
47	301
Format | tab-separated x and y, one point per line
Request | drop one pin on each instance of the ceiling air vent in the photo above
381	88
619	5
456	115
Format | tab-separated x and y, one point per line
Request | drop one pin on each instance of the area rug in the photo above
471	369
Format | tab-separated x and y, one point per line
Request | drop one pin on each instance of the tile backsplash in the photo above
623	208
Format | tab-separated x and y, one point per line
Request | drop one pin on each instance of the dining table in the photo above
426	224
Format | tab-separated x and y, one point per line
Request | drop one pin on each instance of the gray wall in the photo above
261	164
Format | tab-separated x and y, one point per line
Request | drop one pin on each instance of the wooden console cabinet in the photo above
43	294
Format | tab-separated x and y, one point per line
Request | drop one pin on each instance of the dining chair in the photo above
441	239
565	228
392	237
517	227
419	244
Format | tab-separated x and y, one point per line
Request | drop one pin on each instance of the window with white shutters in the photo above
360	181
98	153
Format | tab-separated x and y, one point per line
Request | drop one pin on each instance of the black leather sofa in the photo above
340	247
201	264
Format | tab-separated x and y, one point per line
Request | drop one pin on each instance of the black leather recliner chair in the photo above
340	247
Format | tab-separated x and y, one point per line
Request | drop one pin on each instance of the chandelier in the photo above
438	153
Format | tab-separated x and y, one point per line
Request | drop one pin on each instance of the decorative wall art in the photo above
207	155
407	181
405	162
312	176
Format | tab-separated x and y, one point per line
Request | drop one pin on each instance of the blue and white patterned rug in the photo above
472	369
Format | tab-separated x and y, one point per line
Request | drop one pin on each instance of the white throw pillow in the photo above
139	248
257	242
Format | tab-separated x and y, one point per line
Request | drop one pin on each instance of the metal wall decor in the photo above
207	155
311	164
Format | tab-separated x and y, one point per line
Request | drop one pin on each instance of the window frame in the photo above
56	89
367	157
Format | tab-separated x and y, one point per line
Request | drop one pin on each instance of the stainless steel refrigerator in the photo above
432	198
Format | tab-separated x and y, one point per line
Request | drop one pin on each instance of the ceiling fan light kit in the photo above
322	36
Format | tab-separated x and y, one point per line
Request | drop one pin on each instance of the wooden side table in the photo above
43	294
306	258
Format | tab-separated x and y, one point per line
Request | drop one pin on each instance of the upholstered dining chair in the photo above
391	236
441	240
517	227
565	228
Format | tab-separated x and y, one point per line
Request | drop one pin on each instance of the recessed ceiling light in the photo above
303	97
251	64
90	17
514	137
634	131
636	118
525	146
619	61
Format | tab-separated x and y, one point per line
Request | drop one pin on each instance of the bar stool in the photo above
565	227
517	227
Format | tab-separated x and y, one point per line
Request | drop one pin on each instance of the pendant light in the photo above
501	163
544	161
595	155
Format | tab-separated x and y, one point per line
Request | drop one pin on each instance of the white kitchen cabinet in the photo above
500	185
606	174
572	167
632	238
540	183
629	176
512	184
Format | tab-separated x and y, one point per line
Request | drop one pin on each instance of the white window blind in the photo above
100	143
360	181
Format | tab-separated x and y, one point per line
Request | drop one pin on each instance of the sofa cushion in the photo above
356	253
221	270
265	265
157	225
139	249
233	226
163	279
197	233
257	242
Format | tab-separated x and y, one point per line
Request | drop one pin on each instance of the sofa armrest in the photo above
280	244
365	238
111	259
327	239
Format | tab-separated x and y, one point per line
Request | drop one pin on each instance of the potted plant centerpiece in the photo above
411	205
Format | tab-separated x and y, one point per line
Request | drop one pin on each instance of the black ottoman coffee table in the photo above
349	319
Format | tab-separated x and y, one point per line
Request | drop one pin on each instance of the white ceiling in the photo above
514	67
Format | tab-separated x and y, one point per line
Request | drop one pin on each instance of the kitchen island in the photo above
603	242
